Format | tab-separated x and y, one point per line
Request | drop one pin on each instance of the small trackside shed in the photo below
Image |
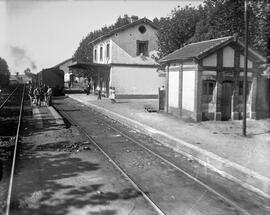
205	81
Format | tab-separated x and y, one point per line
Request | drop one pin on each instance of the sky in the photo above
39	34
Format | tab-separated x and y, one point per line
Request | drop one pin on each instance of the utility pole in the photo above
245	71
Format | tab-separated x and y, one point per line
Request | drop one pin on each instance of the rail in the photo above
3	104
75	123
14	154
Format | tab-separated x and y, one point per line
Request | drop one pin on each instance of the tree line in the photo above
4	73
184	25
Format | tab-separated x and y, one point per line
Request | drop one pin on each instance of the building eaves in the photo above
196	50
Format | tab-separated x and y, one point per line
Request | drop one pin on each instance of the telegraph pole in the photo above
245	71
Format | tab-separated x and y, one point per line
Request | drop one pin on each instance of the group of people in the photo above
40	95
99	91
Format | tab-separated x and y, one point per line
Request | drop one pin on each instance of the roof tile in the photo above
194	50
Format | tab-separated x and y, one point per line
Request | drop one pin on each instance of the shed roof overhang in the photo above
90	66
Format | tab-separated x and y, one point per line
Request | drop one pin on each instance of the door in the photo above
227	91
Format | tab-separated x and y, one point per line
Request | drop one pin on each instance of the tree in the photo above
224	18
176	29
4	73
214	19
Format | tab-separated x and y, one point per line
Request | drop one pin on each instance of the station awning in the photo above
90	66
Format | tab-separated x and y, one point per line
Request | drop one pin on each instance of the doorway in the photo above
226	104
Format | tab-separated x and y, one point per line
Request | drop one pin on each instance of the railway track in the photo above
11	112
124	148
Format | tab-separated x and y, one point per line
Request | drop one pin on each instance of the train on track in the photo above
52	77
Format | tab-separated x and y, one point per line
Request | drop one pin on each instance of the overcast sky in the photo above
42	33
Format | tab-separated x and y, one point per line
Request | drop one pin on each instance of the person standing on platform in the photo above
112	95
37	96
49	97
99	92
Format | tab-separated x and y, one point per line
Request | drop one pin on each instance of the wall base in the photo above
235	115
217	116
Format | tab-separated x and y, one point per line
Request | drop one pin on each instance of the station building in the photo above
204	81
125	59
64	66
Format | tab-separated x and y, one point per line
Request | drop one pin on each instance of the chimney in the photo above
134	18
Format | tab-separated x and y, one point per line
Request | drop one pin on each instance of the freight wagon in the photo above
52	77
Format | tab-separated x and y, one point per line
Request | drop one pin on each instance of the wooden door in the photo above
227	91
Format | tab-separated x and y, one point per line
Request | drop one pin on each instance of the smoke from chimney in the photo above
20	56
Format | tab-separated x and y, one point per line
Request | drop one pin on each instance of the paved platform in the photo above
218	145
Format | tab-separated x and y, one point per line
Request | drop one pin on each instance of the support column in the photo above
217	115
253	96
198	96
218	112
235	99
166	109
180	90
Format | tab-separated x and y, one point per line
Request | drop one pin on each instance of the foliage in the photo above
214	19
4	73
176	29
84	52
184	25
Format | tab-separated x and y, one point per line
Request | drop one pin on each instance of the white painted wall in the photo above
135	80
173	88
188	91
228	56
206	72
123	45
104	60
211	60
127	39
242	58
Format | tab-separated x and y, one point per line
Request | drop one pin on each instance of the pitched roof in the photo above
124	27
59	64
196	50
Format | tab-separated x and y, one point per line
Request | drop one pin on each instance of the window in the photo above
108	50
208	87
142	48
142	29
101	53
95	55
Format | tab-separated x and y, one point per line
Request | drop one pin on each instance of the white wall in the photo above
188	91
242	58
173	89
104	60
127	39
135	80
228	56
210	60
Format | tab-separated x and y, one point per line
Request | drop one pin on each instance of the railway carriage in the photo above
52	77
